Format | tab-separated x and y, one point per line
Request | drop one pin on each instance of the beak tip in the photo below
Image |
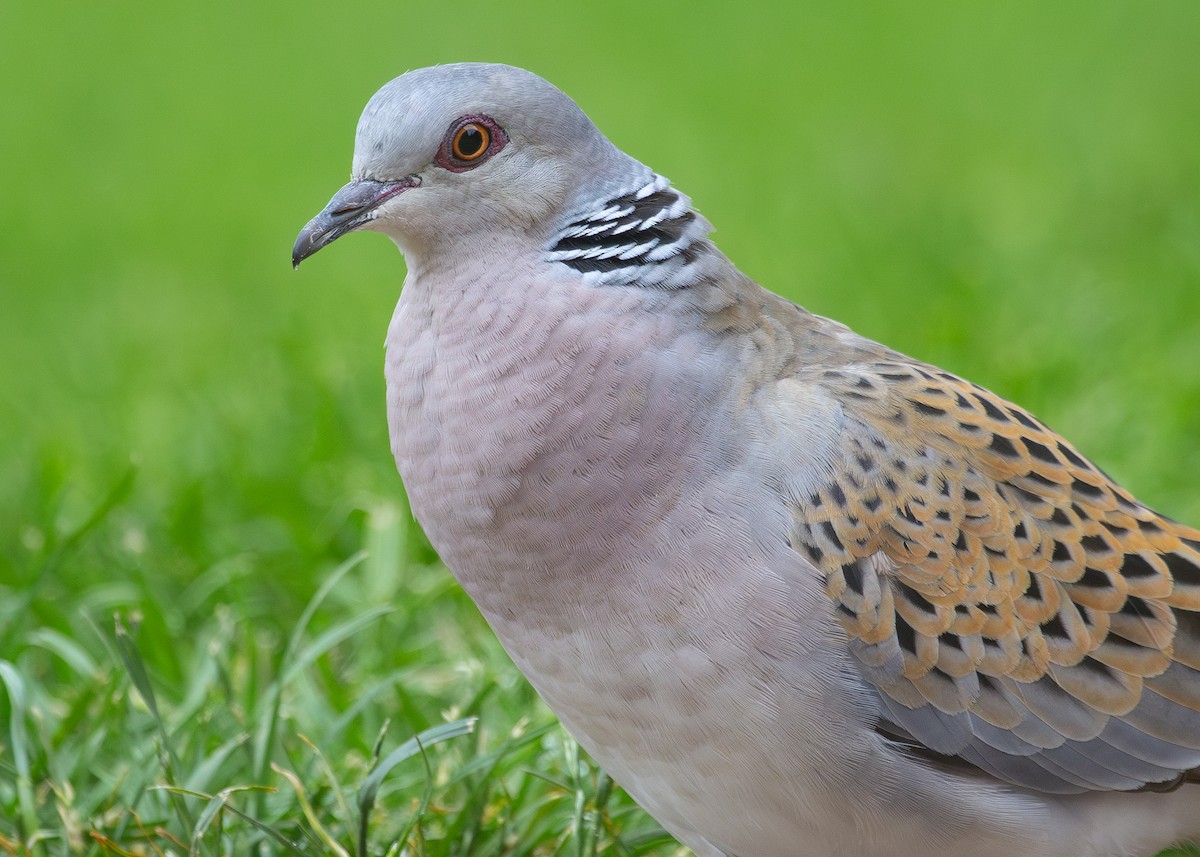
349	209
305	246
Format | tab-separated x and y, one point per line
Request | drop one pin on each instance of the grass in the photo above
220	630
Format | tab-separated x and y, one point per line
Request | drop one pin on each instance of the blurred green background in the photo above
192	435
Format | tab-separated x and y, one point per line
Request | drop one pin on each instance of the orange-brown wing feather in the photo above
1010	602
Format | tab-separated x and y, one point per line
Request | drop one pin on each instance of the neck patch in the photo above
649	235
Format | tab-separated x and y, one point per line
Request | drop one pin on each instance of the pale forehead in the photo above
405	120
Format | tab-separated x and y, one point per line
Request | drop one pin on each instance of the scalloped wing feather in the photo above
1010	603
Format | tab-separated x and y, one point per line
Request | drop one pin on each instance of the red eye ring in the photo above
470	141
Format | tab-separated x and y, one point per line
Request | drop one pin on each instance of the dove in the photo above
798	593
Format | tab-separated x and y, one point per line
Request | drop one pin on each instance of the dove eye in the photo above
469	142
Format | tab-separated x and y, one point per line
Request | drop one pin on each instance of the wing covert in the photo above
1010	603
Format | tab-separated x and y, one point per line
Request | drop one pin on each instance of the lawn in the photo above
217	616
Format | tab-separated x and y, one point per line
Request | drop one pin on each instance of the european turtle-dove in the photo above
799	593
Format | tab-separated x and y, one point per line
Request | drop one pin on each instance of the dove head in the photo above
451	150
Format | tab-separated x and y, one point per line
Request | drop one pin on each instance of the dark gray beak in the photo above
350	208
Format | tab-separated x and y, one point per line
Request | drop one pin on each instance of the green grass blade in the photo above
410	748
18	737
310	814
212	811
338	795
331	637
136	668
115	496
264	735
68	650
265	829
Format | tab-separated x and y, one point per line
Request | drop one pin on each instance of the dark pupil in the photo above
470	141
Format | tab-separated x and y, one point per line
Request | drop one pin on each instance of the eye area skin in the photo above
469	142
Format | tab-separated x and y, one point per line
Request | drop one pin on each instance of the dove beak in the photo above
351	208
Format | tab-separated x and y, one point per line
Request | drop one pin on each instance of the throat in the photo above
645	236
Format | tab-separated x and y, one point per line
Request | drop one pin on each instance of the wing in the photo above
1010	604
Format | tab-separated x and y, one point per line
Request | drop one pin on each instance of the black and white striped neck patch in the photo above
648	234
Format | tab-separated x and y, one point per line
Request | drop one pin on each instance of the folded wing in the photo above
1011	605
